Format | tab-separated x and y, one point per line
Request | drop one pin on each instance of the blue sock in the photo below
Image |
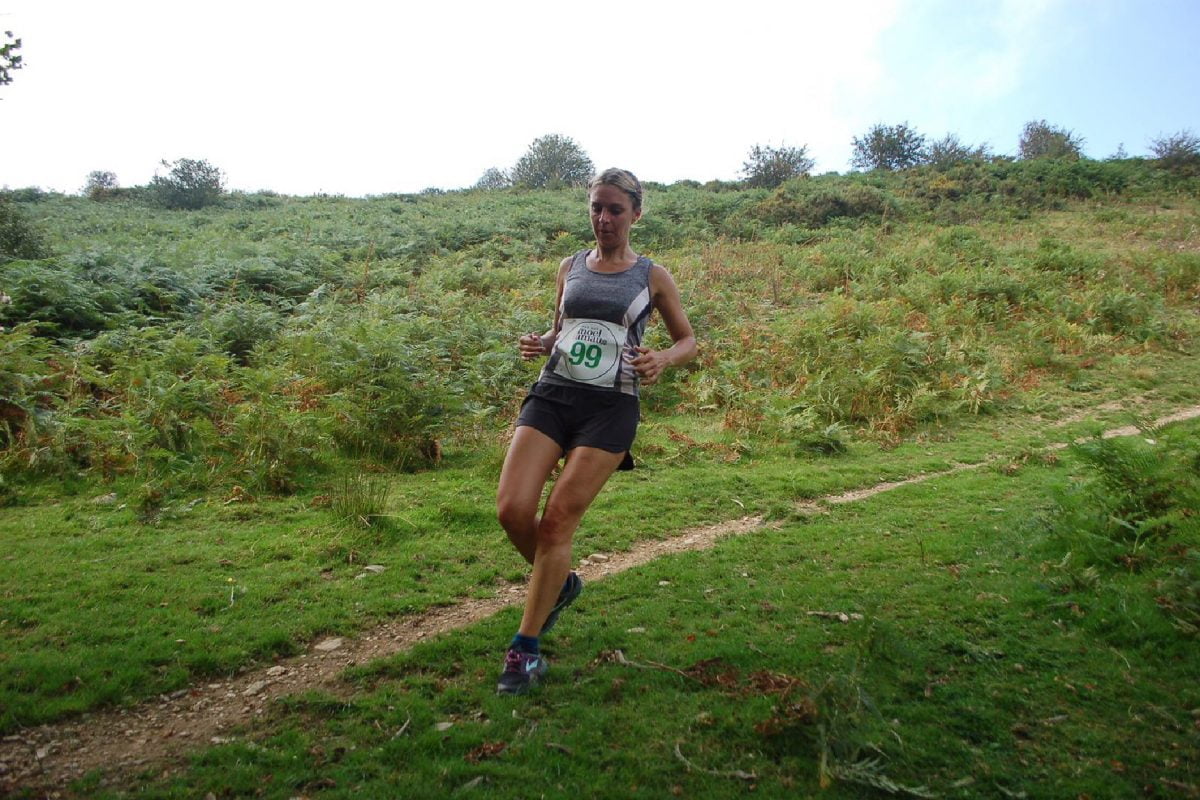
526	644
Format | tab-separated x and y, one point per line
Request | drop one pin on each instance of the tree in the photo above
551	162
101	184
9	61
889	147
493	178
770	166
190	184
948	151
1040	139
1179	152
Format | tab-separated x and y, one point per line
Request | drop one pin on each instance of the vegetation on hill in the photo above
211	420
264	339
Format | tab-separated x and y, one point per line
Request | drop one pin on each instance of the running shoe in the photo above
522	671
570	591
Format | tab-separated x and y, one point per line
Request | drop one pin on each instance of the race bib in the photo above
589	351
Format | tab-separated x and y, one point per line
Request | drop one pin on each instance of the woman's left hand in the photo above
650	364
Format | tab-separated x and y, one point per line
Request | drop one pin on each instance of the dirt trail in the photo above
157	733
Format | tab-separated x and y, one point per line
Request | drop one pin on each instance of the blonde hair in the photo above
622	179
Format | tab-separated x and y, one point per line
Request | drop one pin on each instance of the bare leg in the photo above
582	478
527	466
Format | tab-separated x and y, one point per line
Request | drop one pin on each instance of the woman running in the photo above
584	406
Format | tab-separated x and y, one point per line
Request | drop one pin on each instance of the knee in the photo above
558	524
514	515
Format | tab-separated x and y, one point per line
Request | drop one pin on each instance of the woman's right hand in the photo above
532	346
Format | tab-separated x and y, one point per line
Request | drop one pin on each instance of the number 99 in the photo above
586	354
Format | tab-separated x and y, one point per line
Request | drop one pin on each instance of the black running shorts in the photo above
578	417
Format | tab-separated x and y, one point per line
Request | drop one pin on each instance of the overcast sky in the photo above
362	98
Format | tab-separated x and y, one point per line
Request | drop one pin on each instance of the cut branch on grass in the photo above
869	772
619	657
403	728
736	773
840	616
1185	789
471	784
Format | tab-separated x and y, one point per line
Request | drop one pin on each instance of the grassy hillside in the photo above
211	420
270	340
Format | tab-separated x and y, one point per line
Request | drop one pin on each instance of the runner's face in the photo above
612	215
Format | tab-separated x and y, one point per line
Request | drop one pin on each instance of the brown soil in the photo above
157	734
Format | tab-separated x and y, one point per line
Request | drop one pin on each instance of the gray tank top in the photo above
602	318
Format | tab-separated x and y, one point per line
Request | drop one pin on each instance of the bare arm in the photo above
665	294
533	345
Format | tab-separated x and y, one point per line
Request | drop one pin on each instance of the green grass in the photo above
968	674
103	609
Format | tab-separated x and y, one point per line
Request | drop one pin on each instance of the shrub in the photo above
493	178
770	166
101	185
190	184
552	162
1040	139
1178	153
948	151
889	147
